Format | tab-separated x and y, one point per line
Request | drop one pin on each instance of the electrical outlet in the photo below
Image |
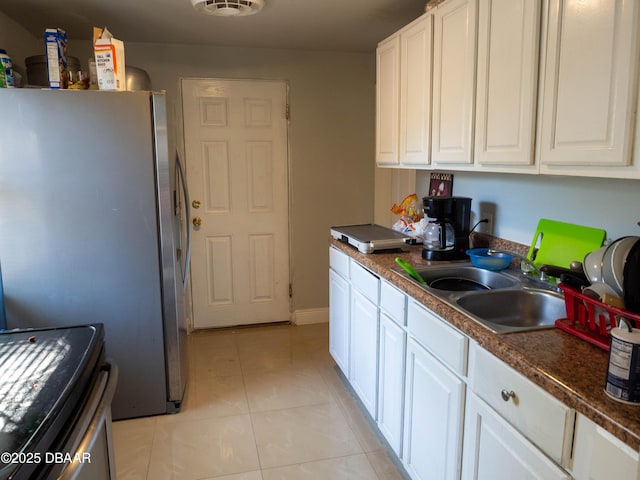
487	211
487	227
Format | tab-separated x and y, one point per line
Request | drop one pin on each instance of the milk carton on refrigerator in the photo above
109	56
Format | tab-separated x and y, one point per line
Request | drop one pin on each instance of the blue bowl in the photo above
496	261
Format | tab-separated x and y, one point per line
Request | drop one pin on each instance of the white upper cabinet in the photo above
520	86
415	92
403	115
387	101
507	83
590	88
454	65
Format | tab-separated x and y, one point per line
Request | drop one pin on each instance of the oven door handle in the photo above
91	427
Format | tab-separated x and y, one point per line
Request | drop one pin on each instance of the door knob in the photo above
195	204
197	221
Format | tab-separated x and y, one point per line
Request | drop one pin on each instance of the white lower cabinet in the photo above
434	403
494	450
542	418
598	455
339	320
448	408
339	308
391	350
513	428
353	325
363	361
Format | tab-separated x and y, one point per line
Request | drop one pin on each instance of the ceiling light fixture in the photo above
228	8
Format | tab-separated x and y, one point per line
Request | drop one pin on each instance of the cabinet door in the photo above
434	402
391	381
454	50
493	450
363	359
507	81
339	320
598	455
387	100
590	84
415	92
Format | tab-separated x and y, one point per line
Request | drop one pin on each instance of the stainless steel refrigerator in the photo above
92	229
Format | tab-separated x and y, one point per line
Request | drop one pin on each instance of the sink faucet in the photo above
528	268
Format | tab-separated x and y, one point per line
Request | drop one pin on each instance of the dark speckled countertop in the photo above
568	368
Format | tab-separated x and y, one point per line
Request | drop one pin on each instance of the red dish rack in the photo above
590	319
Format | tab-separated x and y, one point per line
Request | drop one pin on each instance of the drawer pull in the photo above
507	394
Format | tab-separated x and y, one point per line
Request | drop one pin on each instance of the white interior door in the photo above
236	156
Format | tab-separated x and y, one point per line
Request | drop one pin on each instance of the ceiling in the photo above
340	25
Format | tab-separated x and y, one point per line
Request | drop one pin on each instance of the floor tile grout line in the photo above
253	428
324	459
255	442
351	421
153	440
351	426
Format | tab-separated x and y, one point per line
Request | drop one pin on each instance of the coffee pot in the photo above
439	235
447	234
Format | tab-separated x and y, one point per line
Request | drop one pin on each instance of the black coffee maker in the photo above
447	235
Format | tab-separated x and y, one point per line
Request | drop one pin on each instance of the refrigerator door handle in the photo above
187	206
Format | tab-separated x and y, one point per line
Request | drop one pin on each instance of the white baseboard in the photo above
310	315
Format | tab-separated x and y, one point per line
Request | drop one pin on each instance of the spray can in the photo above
5	60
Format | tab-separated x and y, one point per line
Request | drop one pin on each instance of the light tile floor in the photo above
262	403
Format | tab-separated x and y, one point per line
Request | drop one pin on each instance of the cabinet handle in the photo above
507	394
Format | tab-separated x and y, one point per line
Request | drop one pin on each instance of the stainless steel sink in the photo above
503	301
506	311
465	278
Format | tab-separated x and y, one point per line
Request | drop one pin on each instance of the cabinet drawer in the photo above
394	302
540	417
339	262
446	343
364	281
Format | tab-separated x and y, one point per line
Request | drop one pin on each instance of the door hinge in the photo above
290	291
287	112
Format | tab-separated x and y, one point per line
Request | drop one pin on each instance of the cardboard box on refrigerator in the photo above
110	64
56	50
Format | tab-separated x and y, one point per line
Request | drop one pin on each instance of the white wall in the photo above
18	43
521	200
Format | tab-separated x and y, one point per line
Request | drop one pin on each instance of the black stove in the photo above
45	377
